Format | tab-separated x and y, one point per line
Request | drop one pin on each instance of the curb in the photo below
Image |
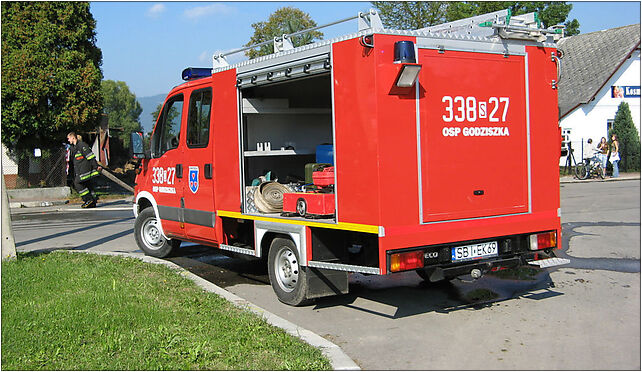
339	360
573	180
34	204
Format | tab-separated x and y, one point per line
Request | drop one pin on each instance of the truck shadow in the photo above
391	296
408	296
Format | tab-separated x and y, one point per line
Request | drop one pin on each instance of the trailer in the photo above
383	151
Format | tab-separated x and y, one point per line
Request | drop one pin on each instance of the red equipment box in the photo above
321	204
324	177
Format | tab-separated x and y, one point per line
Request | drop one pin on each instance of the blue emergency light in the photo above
192	73
405	52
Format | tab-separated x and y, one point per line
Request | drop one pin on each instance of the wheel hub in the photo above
151	234
287	270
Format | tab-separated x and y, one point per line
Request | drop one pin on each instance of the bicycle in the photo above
593	168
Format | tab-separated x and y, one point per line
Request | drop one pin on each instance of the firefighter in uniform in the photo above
85	168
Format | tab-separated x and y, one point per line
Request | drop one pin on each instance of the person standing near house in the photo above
615	155
85	168
603	148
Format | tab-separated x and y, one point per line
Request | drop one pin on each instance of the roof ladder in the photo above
367	21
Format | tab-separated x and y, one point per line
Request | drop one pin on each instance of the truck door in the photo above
198	190
166	165
474	141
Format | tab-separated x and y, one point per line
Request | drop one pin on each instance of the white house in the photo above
599	71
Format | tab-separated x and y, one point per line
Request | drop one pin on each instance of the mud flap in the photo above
324	282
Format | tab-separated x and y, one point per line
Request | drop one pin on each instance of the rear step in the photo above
550	262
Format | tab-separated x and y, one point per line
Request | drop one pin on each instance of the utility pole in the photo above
8	244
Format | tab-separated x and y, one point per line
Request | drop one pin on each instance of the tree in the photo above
122	108
414	15
628	139
51	73
286	20
411	15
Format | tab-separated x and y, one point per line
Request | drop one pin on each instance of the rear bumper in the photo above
512	251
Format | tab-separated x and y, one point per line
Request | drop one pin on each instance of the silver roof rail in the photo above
500	23
367	21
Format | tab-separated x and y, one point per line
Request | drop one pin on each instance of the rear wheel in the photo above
600	171
581	171
287	276
147	232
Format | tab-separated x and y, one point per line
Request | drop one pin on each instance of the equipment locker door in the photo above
198	190
166	165
474	142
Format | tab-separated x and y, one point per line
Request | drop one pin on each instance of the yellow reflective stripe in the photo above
84	192
91	156
337	226
94	173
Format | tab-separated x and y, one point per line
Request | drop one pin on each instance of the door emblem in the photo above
193	179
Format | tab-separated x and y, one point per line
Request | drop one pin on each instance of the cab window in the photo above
168	129
198	121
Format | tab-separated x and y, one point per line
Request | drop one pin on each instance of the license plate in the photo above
474	251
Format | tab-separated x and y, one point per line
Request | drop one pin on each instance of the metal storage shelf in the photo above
287	111
277	153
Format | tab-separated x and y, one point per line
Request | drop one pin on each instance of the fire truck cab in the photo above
434	150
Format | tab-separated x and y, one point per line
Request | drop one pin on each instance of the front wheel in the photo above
149	238
287	276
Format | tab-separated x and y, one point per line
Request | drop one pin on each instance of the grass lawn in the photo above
70	311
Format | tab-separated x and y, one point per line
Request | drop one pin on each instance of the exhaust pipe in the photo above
476	273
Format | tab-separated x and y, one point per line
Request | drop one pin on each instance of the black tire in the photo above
149	238
600	171
581	171
287	276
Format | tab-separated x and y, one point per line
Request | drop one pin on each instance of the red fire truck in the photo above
434	150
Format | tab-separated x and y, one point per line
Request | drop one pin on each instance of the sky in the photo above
148	44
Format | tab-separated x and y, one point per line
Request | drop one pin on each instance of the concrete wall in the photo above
47	193
590	120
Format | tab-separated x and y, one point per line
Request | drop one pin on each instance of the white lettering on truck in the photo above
470	109
476	131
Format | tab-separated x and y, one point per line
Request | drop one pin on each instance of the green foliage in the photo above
157	112
628	139
74	311
285	20
50	72
413	15
122	108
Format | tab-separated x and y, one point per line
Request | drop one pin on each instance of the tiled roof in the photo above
589	61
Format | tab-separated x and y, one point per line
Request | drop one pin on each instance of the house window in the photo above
609	126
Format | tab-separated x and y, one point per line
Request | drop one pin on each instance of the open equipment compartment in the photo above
282	123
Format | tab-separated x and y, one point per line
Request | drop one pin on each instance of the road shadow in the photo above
82	229
222	268
569	231
416	297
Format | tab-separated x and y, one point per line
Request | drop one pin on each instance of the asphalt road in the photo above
585	315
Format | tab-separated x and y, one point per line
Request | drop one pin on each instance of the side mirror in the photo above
137	146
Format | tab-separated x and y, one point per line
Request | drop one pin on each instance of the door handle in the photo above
179	170
208	171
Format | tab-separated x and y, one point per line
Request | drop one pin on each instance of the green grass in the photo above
65	311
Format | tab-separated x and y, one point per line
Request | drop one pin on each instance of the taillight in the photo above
406	261
543	240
